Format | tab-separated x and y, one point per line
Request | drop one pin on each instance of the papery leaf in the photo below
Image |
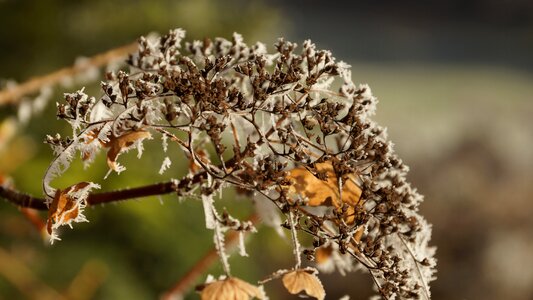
117	145
324	192
67	207
303	281
230	288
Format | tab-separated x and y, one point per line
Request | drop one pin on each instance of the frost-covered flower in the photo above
288	126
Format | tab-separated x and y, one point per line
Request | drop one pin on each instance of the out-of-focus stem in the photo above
20	276
12	95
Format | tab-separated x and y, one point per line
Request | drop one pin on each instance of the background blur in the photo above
455	84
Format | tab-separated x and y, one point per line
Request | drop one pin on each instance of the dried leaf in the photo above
67	207
304	281
324	192
122	143
230	288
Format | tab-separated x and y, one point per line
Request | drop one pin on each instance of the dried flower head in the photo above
287	126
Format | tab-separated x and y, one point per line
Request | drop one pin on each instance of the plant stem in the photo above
23	200
295	242
12	95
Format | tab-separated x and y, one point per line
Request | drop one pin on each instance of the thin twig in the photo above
295	242
23	200
12	95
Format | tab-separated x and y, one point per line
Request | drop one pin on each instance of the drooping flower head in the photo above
289	126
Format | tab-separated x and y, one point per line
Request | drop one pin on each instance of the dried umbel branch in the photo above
290	127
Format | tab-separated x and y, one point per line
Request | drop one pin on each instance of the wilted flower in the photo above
290	126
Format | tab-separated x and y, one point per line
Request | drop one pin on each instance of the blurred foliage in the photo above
40	36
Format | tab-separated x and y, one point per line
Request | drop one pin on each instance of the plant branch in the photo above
12	95
23	200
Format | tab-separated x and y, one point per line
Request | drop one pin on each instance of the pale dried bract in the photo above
305	281
230	288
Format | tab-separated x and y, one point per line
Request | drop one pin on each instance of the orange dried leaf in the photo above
324	192
67	206
303	281
117	145
323	254
230	288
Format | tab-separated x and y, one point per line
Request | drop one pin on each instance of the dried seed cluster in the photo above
271	124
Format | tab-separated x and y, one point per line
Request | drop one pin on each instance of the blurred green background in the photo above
455	84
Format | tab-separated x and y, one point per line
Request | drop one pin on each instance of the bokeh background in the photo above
455	84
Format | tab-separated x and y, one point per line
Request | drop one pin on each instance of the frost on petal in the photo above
123	143
67	207
164	166
164	142
58	167
100	112
242	245
209	213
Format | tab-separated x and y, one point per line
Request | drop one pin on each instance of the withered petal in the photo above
230	289
320	192
302	281
118	144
